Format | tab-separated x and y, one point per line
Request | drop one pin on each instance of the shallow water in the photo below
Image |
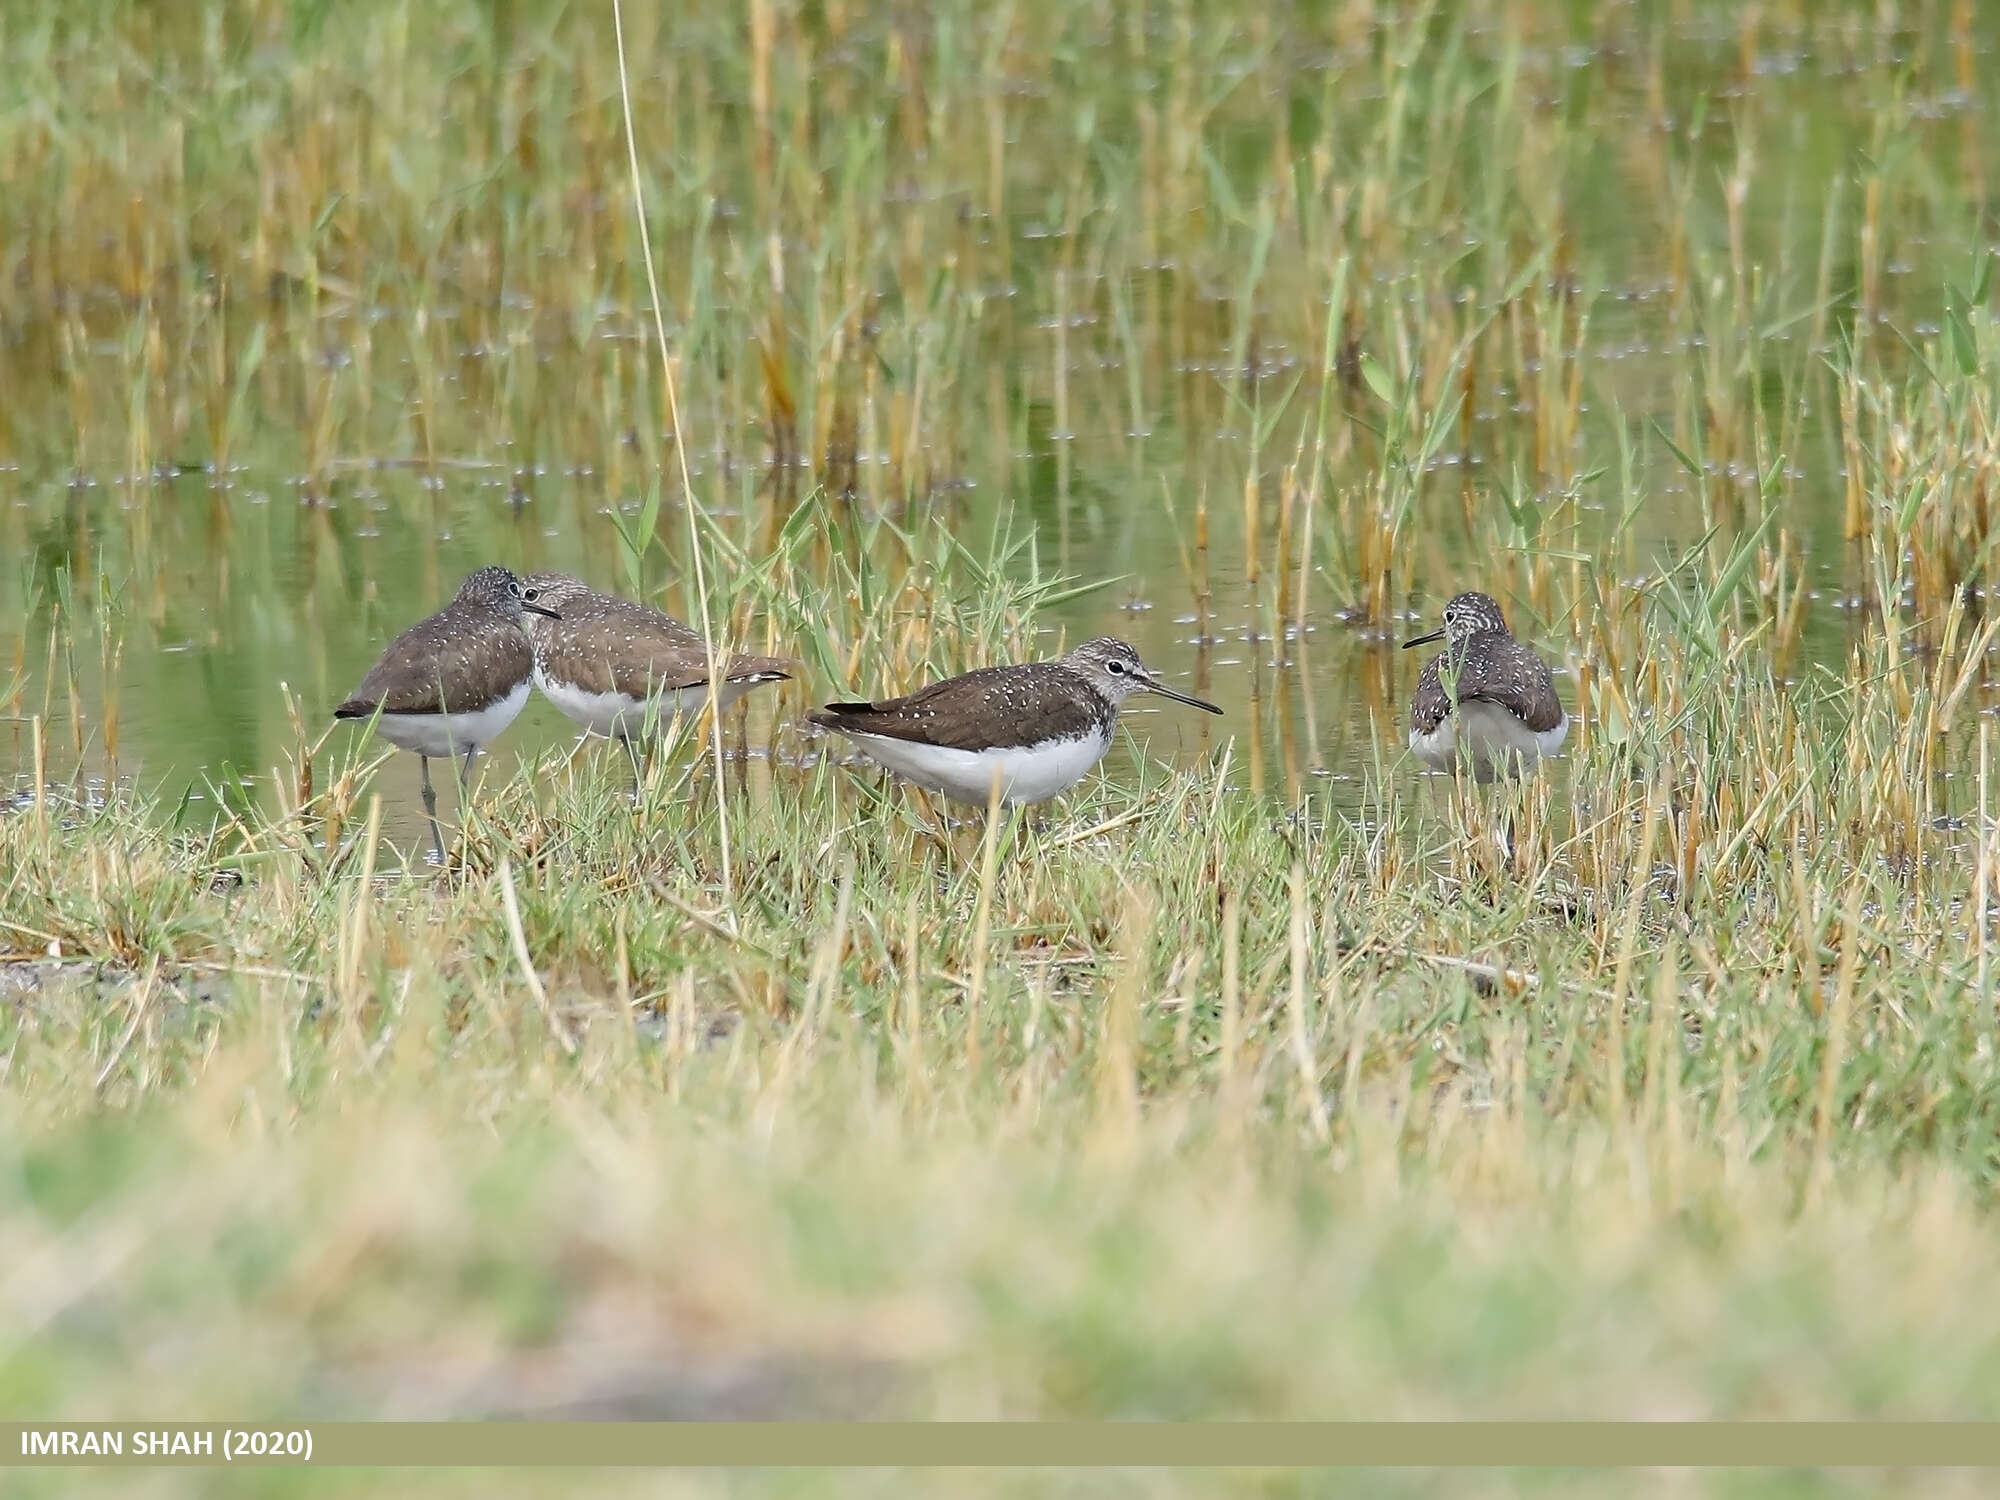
1099	429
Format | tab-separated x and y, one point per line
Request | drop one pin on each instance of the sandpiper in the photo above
1499	714
449	684
614	667
1035	728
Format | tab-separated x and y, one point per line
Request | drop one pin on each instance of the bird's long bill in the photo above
538	609
1192	702
1424	640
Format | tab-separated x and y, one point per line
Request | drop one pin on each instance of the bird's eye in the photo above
1115	666
531	595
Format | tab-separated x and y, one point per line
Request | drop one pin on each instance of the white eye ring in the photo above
1115	666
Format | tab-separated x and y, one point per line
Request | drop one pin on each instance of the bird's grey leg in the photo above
431	808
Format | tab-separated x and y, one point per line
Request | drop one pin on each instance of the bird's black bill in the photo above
538	609
1424	640
1166	692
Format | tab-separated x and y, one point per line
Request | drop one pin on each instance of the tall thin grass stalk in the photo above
1302	1048
680	456
982	927
1982	885
517	938
1835	1053
1230	1039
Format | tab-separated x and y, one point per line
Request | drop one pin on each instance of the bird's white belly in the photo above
1493	741
443	735
1027	773
622	716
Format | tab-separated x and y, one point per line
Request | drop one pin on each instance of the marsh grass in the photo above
1259	1077
1197	1049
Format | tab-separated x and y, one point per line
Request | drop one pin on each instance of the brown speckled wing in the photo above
984	709
604	644
459	660
1428	708
1497	669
